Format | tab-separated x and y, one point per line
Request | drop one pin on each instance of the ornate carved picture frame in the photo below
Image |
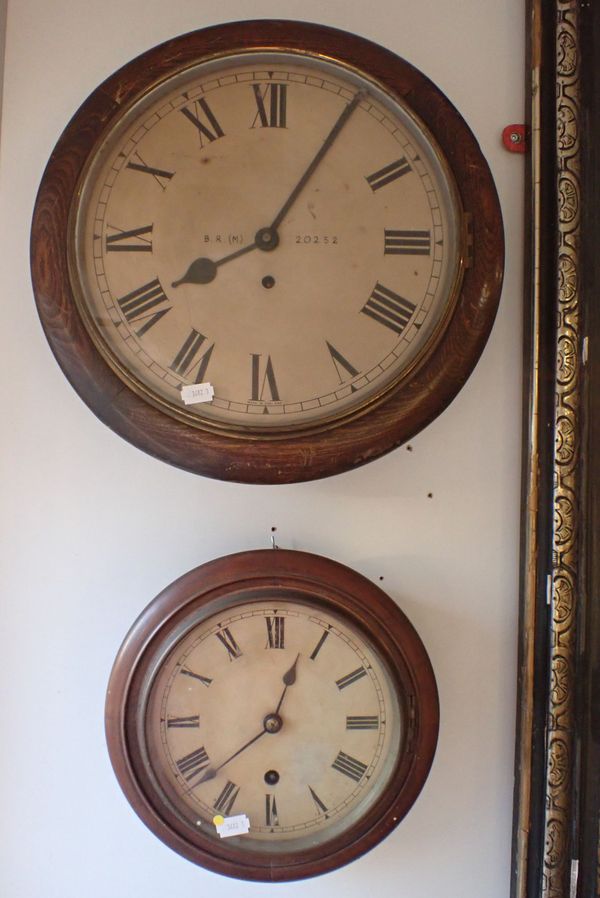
557	783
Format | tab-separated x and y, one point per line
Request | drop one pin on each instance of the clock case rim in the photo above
330	585
303	453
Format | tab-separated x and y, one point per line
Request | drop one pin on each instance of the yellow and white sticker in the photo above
231	826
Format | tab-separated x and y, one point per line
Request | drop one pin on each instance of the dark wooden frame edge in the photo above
557	788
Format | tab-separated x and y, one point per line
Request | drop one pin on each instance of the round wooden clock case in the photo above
279	692
282	220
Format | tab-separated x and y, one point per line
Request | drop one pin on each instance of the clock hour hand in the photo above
289	678
204	270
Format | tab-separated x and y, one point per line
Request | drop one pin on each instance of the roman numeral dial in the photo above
277	711
283	237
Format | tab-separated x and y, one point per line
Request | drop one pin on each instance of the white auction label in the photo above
192	393
232	826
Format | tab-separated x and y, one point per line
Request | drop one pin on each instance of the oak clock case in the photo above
286	212
277	686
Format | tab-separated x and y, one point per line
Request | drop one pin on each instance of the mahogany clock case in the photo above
363	429
157	651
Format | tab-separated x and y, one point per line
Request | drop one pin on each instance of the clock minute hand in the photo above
271	724
211	772
341	121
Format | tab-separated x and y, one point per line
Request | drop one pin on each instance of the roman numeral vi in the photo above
260	384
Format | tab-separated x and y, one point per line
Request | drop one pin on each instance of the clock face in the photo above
280	711
272	715
274	225
267	251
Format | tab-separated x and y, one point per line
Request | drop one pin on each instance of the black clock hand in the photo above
211	772
289	678
343	118
271	724
204	270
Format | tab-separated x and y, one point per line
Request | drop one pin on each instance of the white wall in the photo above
91	529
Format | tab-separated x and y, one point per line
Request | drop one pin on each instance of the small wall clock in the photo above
267	251
279	692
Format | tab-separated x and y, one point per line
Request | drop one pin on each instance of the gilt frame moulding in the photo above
557	782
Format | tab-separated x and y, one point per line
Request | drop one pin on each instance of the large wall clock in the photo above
282	220
281	692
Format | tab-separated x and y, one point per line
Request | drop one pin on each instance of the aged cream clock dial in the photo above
278	694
